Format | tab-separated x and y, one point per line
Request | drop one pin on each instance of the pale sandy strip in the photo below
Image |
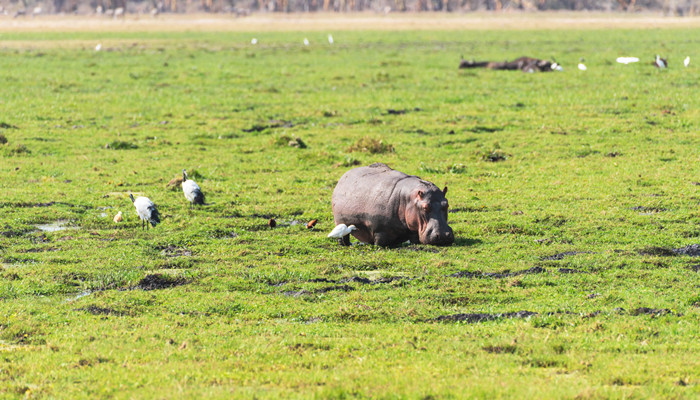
343	22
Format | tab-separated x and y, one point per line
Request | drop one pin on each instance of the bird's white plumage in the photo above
306	42
582	67
98	47
341	231
659	62
190	187
686	62
253	41
330	39
627	60
144	205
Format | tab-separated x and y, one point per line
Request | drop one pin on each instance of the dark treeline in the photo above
244	7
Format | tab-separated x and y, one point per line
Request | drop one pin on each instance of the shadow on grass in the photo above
466	242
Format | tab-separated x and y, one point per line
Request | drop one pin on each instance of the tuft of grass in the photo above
121	145
371	145
17	150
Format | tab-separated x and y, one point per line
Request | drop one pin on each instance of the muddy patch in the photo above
418	248
692	250
27	205
160	281
656	251
173	251
12	233
570	271
272	124
95	310
644	210
304	292
654	312
561	256
483	317
497	275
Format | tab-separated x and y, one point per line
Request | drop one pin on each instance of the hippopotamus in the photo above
389	207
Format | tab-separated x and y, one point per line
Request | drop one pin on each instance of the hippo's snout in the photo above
438	237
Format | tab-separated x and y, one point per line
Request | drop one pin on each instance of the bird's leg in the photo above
344	241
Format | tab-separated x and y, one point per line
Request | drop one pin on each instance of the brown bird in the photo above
311	224
118	218
272	223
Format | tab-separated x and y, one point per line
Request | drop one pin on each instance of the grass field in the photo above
574	199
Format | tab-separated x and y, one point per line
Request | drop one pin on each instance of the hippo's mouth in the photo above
443	238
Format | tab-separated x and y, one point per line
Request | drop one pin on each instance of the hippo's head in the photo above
427	214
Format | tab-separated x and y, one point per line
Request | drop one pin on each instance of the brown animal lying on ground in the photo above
525	64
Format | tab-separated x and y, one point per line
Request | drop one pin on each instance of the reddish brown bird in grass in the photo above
272	223
311	224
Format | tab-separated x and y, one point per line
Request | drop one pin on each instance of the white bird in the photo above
98	47
330	39
627	60
306	42
146	210
253	41
118	218
581	65
342	230
686	62
659	62
193	193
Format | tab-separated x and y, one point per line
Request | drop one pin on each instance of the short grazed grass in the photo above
574	200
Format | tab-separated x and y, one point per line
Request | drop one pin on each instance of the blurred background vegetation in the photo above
117	8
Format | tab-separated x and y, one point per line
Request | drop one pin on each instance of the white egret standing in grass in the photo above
341	230
146	210
253	41
686	62
98	47
193	193
330	39
660	62
306	42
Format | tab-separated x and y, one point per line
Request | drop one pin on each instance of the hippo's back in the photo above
366	190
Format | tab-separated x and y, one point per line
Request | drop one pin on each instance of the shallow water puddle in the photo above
55	226
78	296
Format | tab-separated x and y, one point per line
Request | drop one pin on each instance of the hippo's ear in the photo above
444	191
420	195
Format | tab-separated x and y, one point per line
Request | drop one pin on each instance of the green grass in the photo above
603	163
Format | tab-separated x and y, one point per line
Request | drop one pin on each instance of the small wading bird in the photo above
193	193
118	218
306	42
330	39
146	210
686	62
660	62
342	230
